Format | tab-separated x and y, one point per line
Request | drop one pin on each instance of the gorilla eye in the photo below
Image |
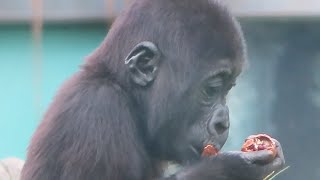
213	87
211	91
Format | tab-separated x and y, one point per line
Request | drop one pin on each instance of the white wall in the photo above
275	7
21	10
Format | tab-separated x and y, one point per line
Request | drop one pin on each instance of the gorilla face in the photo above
186	110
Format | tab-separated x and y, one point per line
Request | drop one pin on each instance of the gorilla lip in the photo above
195	150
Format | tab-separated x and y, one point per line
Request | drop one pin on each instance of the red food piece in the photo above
259	142
209	150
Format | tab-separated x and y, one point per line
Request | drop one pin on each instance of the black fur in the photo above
101	125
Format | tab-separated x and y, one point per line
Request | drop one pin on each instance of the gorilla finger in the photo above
231	153
278	145
276	165
259	157
279	149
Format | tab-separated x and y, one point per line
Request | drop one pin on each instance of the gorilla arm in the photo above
88	133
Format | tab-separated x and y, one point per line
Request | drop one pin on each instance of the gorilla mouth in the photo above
207	150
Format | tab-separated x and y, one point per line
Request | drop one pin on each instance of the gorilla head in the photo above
180	81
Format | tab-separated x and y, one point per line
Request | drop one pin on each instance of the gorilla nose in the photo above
219	123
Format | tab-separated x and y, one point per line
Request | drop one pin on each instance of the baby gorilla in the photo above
155	90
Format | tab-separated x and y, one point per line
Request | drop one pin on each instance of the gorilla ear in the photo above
143	62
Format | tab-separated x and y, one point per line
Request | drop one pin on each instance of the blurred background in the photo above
43	42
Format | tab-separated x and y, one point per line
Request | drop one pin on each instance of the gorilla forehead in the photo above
186	27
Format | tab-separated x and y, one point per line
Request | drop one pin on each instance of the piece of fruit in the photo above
209	150
259	142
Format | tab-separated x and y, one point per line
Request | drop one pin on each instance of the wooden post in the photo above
37	25
126	3
110	8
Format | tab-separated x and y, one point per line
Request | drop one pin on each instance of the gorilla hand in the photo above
236	165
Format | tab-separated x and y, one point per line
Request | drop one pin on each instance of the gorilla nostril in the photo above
221	127
219	122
